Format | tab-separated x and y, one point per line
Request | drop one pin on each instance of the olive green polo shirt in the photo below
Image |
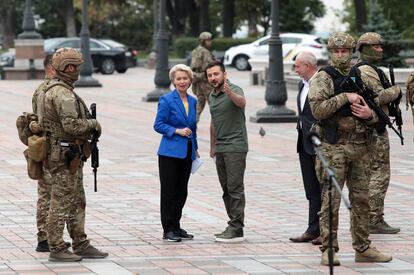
229	121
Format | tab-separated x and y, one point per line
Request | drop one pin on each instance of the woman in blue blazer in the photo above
176	121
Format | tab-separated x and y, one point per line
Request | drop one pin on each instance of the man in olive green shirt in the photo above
228	145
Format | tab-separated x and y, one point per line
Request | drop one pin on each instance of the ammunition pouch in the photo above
37	147
330	130
34	168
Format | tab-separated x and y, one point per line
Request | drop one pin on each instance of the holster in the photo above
74	165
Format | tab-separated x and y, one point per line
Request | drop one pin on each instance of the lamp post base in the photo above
275	113
87	81
156	94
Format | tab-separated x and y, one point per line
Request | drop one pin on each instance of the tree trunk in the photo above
228	13
204	15
8	22
194	19
252	22
360	15
69	15
177	13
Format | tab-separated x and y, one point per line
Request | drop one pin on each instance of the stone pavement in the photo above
123	216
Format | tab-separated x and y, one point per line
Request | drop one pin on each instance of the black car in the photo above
106	58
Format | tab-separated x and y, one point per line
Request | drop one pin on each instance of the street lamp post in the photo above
276	94
86	79
161	80
28	25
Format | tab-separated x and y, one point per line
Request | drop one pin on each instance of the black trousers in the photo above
312	190
174	176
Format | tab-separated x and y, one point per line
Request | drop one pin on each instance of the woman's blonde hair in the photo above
183	68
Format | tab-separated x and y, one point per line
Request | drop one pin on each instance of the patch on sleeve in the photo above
69	108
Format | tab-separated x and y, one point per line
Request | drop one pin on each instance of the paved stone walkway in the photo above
123	216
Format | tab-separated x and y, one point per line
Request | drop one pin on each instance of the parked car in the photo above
292	45
7	58
107	55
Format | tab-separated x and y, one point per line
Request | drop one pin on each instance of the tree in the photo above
8	22
69	15
360	14
227	15
298	15
379	24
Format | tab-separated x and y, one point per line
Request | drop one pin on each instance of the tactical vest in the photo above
340	87
51	123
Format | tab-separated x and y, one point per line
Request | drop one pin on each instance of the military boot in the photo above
325	258
382	228
91	252
371	255
64	256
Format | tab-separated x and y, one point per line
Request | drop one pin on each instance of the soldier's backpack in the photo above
22	125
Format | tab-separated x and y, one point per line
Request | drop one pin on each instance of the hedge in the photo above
187	44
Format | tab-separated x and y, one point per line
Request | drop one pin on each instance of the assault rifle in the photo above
395	110
94	148
369	96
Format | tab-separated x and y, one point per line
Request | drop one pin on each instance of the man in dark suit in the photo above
306	68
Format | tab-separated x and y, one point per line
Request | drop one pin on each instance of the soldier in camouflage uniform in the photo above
344	120
370	47
43	188
66	122
410	93
200	58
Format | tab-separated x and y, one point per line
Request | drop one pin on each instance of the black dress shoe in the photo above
183	234
317	241
171	237
304	238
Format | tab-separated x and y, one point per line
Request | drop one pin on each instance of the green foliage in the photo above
298	15
392	47
187	44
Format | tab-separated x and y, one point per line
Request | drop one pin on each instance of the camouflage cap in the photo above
65	56
205	36
369	38
341	40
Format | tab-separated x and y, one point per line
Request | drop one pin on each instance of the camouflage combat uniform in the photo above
200	58
379	151
410	93
43	188
65	120
348	157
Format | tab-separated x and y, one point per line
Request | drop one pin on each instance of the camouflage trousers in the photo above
43	202
350	163
202	90
379	175
67	204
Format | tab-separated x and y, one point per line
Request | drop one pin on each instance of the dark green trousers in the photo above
230	170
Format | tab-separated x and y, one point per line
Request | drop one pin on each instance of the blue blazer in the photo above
170	116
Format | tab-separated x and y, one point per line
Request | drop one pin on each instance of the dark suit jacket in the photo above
306	118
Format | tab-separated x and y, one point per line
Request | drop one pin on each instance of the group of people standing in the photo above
354	140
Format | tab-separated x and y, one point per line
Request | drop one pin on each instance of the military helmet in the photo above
341	40
369	38
65	56
205	36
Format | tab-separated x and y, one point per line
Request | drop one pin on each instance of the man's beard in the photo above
220	85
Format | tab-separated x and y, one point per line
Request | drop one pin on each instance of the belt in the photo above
352	136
